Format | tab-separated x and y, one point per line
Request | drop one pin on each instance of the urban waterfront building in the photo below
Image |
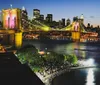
24	18
36	13
60	24
88	25
41	17
68	22
63	22
49	18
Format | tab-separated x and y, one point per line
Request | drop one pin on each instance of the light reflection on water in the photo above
90	80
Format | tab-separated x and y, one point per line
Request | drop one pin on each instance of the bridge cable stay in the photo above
42	26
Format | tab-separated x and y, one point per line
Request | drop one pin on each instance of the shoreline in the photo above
49	78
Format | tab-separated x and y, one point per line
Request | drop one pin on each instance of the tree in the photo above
72	59
25	54
29	54
53	59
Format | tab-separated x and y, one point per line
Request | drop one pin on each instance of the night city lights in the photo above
49	42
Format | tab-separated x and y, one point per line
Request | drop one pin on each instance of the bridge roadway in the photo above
9	31
51	32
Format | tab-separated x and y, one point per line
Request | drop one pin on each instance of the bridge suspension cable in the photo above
39	25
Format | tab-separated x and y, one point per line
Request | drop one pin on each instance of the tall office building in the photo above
24	18
63	22
68	22
41	17
49	18
60	24
88	25
36	13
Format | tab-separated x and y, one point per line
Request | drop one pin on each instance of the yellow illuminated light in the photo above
46	28
18	40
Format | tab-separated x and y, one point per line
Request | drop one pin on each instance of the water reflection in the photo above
79	52
86	76
90	77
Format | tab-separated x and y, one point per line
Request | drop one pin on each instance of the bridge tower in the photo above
18	39
76	31
12	21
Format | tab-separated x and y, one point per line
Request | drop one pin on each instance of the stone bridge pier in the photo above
11	37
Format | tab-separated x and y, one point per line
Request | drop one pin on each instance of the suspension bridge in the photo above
76	28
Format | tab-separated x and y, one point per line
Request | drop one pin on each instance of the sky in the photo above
60	8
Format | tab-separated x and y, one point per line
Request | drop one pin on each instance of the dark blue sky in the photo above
60	8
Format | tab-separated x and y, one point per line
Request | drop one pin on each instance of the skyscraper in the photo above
88	25
60	24
63	22
68	22
49	18
24	18
36	13
41	17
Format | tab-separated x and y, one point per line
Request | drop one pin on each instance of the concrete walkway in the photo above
48	79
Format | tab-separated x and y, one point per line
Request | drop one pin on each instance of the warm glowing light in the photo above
18	40
45	28
76	26
41	52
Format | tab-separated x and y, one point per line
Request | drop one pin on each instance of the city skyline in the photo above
59	8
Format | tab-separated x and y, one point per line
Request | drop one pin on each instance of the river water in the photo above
87	76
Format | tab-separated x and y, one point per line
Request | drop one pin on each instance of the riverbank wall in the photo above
49	78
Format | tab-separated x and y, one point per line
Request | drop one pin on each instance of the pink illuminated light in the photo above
10	19
76	26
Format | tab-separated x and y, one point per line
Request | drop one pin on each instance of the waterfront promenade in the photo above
47	80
